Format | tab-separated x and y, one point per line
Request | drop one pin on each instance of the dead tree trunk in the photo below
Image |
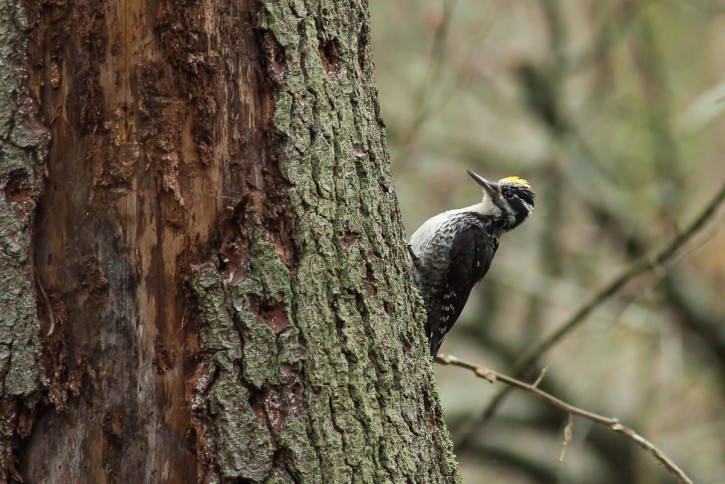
201	269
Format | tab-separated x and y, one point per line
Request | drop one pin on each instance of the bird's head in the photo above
509	200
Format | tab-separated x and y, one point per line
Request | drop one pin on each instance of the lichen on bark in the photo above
22	146
329	350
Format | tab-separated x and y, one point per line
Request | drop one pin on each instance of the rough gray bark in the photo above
219	275
22	147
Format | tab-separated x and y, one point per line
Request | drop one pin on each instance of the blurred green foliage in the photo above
614	112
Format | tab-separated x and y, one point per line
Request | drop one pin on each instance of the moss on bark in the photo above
22	145
326	348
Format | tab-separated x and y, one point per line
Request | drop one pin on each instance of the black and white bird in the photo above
452	251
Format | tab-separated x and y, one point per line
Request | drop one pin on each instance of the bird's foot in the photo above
409	248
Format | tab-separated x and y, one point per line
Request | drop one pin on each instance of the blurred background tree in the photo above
614	112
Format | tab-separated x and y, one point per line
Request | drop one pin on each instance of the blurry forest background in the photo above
614	111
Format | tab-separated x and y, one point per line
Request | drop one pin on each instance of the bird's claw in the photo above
409	248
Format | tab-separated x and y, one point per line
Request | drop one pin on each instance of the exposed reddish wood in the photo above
152	140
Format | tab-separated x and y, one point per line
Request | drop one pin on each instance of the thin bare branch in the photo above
541	375
609	422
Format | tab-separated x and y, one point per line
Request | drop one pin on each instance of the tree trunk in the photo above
201	250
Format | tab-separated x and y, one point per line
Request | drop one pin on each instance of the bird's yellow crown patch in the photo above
515	179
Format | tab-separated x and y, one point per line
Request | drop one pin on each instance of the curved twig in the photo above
609	422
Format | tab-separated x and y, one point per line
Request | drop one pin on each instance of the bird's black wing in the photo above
470	257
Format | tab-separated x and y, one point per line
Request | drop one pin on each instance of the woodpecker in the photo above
452	251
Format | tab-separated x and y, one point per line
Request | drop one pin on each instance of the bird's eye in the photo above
509	195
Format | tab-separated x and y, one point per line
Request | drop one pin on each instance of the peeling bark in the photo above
220	289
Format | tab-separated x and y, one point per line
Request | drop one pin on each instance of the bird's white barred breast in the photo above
436	230
431	243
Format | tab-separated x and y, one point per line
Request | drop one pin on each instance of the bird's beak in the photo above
489	186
